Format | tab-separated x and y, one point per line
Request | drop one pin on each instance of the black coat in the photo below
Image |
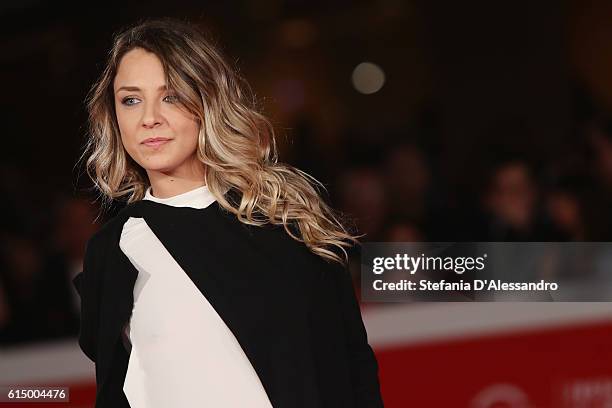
294	314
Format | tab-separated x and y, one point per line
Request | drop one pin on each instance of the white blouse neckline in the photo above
199	197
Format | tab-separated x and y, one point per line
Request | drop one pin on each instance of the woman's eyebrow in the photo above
137	89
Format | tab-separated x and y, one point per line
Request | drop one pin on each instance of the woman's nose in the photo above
151	115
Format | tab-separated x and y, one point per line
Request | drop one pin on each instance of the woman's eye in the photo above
129	101
171	98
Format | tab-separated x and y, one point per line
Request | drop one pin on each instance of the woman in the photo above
223	281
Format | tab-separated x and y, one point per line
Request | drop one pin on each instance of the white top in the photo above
183	354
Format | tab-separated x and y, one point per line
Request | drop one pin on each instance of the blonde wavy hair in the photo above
236	143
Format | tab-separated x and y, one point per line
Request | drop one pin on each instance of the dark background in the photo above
493	123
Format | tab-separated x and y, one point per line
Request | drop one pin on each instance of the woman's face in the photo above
145	109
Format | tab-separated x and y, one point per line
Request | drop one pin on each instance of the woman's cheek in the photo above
128	135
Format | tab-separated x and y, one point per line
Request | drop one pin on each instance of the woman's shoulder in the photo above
111	229
277	242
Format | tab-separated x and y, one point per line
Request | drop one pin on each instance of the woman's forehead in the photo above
140	68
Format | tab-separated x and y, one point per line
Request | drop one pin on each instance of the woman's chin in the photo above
159	167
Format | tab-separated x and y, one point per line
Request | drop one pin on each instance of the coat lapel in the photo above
118	299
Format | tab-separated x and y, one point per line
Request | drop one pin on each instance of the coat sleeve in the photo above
363	364
87	285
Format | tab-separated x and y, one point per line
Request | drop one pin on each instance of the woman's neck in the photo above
164	185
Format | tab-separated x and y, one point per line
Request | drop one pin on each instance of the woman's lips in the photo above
157	143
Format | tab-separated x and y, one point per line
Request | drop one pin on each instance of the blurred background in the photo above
425	120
